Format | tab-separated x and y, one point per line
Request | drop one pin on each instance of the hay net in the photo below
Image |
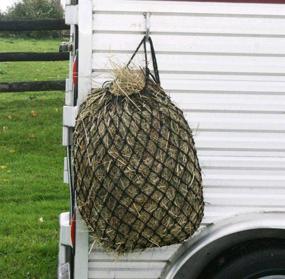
136	171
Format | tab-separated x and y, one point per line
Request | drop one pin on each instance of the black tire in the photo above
256	260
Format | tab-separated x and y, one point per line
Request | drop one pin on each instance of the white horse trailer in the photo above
224	65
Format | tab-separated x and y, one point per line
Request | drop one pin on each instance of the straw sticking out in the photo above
127	81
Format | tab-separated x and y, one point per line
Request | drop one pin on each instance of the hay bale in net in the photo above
137	176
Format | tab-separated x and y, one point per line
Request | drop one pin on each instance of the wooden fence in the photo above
33	25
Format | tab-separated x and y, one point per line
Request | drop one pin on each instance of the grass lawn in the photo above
32	71
31	166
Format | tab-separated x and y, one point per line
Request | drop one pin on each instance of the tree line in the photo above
33	9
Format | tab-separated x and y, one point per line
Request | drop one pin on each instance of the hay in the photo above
127	81
137	175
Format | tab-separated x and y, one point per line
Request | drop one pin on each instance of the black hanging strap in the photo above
136	51
154	61
153	57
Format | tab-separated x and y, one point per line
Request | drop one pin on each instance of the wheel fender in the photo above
195	254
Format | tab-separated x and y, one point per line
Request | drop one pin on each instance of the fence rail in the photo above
33	25
53	85
32	56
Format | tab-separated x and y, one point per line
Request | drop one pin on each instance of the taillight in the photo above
75	71
72	230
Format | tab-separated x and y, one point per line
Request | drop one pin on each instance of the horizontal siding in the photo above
217	213
190	8
214	84
141	265
155	255
235	121
248	163
224	65
136	273
195	44
190	24
209	64
230	102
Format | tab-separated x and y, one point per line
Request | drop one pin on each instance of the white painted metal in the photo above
69	115
191	63
184	23
85	48
65	171
84	87
197	44
147	264
71	14
190	8
81	250
68	93
64	241
209	83
164	255
224	65
65	229
65	136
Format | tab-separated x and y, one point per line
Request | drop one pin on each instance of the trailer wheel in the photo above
259	260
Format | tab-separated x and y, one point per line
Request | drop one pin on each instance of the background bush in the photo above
34	9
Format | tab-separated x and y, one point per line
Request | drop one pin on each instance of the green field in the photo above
31	166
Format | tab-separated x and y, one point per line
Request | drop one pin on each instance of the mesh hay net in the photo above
137	176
